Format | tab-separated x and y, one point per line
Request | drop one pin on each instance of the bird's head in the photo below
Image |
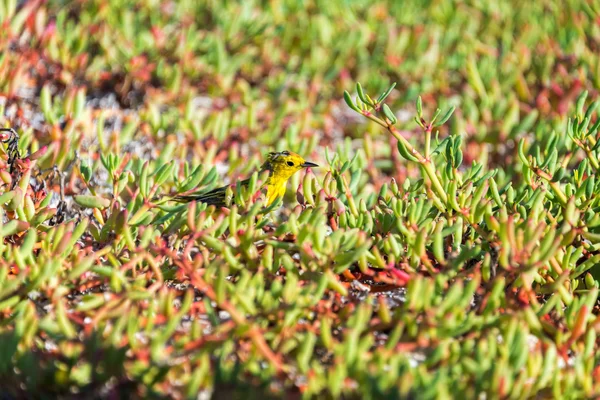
284	164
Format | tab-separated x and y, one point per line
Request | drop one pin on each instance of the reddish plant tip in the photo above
38	154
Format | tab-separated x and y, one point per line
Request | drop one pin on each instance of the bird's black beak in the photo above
307	164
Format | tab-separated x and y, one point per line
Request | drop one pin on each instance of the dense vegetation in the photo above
447	247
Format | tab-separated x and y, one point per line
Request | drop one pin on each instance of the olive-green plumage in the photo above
281	167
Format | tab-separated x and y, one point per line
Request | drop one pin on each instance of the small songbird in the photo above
281	167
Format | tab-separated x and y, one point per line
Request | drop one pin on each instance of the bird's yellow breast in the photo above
274	190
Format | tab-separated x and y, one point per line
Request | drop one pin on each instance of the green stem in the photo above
592	159
374	118
435	182
562	198
427	143
559	193
424	161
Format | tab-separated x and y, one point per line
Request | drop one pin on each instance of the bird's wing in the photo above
212	197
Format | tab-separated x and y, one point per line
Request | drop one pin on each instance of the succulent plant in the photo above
448	246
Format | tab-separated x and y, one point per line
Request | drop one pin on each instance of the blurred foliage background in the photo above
367	281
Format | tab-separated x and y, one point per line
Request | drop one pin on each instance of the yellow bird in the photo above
281	167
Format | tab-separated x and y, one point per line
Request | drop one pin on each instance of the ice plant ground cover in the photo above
447	247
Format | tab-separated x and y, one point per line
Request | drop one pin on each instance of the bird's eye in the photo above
290	163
